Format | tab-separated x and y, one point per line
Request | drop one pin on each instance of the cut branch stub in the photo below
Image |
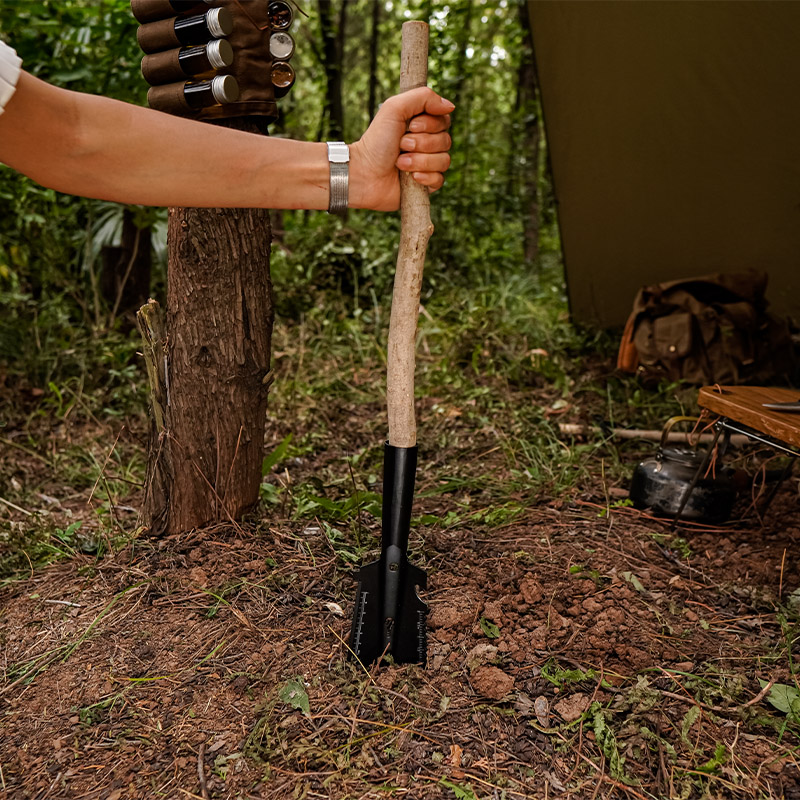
150	322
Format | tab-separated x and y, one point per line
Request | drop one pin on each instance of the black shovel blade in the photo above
404	635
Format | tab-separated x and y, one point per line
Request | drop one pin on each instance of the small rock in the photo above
683	666
556	622
520	656
493	610
570	708
492	682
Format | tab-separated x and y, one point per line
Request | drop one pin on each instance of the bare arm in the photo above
106	149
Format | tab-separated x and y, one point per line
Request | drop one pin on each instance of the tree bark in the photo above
205	462
332	58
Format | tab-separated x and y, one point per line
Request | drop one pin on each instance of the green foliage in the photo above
785	698
633	580
460	792
607	741
49	243
719	758
560	676
55	328
689	719
276	456
341	510
293	693
25	547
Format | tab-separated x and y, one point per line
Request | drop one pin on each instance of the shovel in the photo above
389	618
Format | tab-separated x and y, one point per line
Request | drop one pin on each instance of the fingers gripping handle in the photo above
415	230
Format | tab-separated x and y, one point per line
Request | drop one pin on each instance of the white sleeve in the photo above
10	64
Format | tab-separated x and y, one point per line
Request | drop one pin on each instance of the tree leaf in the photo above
293	693
633	581
276	456
784	697
489	628
461	792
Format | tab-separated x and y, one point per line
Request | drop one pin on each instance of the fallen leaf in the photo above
455	761
293	693
541	708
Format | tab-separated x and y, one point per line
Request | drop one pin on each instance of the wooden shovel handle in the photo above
415	230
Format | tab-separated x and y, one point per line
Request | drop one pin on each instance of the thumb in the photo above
422	100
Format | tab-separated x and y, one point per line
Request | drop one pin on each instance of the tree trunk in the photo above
528	110
373	58
125	277
332	58
462	118
205	461
463	42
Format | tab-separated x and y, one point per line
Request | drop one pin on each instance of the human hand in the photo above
409	132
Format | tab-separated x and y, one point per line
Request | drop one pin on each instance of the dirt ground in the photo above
576	650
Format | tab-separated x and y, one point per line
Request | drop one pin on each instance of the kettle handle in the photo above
670	423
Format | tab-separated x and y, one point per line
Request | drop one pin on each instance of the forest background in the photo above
576	646
495	219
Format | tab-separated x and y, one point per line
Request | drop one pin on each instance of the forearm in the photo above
105	149
115	151
163	160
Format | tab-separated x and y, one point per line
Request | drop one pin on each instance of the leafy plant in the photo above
785	698
559	676
607	741
460	792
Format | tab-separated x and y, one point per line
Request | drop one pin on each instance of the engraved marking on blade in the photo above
422	636
362	605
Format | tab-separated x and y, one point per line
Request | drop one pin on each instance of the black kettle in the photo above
660	483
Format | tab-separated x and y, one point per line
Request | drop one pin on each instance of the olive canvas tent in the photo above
674	137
